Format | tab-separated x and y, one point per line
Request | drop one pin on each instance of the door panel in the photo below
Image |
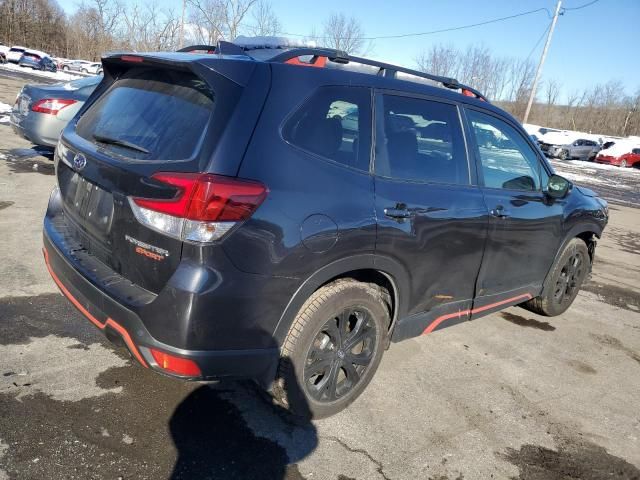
431	218
525	226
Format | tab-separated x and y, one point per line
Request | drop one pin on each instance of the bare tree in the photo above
552	91
218	19
343	33
266	22
235	11
207	19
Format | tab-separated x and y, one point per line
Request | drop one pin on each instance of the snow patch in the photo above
60	75
52	355
5	110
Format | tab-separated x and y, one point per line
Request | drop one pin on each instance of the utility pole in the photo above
542	58
184	6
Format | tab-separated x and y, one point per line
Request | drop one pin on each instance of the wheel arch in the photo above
367	267
588	232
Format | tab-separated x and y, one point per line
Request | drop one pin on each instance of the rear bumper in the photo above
38	130
112	317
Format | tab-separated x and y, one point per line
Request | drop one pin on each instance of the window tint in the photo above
161	111
508	161
334	123
424	142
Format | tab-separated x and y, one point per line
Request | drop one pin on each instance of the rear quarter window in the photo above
334	123
150	114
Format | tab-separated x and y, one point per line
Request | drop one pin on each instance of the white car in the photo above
15	53
94	68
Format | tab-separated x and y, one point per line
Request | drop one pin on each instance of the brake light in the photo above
51	105
177	365
131	58
204	208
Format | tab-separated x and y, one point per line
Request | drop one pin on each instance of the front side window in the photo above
423	142
334	123
508	161
150	114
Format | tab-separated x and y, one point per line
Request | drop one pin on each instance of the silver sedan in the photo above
42	111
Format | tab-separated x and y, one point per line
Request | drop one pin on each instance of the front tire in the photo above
563	155
333	348
623	163
564	280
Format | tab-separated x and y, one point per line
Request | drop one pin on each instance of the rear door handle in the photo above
499	212
397	213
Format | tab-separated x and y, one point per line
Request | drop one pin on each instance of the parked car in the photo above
628	159
580	149
42	111
77	66
37	61
93	68
15	53
60	62
3	53
216	214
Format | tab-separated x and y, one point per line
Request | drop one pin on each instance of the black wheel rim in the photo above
570	278
339	355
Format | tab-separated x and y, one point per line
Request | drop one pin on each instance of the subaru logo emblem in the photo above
79	161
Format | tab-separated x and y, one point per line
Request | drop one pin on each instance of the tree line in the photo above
100	26
601	109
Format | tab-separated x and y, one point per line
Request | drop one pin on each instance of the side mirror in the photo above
558	186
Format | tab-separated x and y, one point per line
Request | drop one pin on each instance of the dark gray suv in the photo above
285	218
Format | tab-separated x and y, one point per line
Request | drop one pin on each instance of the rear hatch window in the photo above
150	114
147	118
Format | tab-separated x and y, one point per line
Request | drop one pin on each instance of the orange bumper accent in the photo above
109	322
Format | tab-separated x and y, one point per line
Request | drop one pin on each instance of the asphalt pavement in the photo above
511	396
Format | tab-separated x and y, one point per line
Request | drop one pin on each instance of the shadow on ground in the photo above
138	424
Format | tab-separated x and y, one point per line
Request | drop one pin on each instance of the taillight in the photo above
204	208
177	365
51	105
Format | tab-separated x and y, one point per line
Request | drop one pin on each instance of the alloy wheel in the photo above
570	278
340	354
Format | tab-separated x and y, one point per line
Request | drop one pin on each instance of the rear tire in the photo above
65	68
563	282
623	163
333	348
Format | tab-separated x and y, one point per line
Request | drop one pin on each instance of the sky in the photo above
591	45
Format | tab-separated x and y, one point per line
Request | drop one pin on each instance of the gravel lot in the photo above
513	395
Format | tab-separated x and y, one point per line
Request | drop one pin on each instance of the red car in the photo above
631	159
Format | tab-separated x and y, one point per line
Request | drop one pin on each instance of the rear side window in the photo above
150	114
424	142
334	123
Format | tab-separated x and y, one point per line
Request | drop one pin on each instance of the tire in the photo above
65	68
623	163
563	282
304	386
563	155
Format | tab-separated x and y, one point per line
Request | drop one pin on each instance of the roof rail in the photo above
385	69
338	56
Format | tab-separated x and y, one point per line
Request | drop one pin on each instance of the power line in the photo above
582	6
432	32
538	42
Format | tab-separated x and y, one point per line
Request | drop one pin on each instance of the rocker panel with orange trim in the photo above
457	312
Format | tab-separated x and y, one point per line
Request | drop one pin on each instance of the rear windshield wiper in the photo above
120	143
